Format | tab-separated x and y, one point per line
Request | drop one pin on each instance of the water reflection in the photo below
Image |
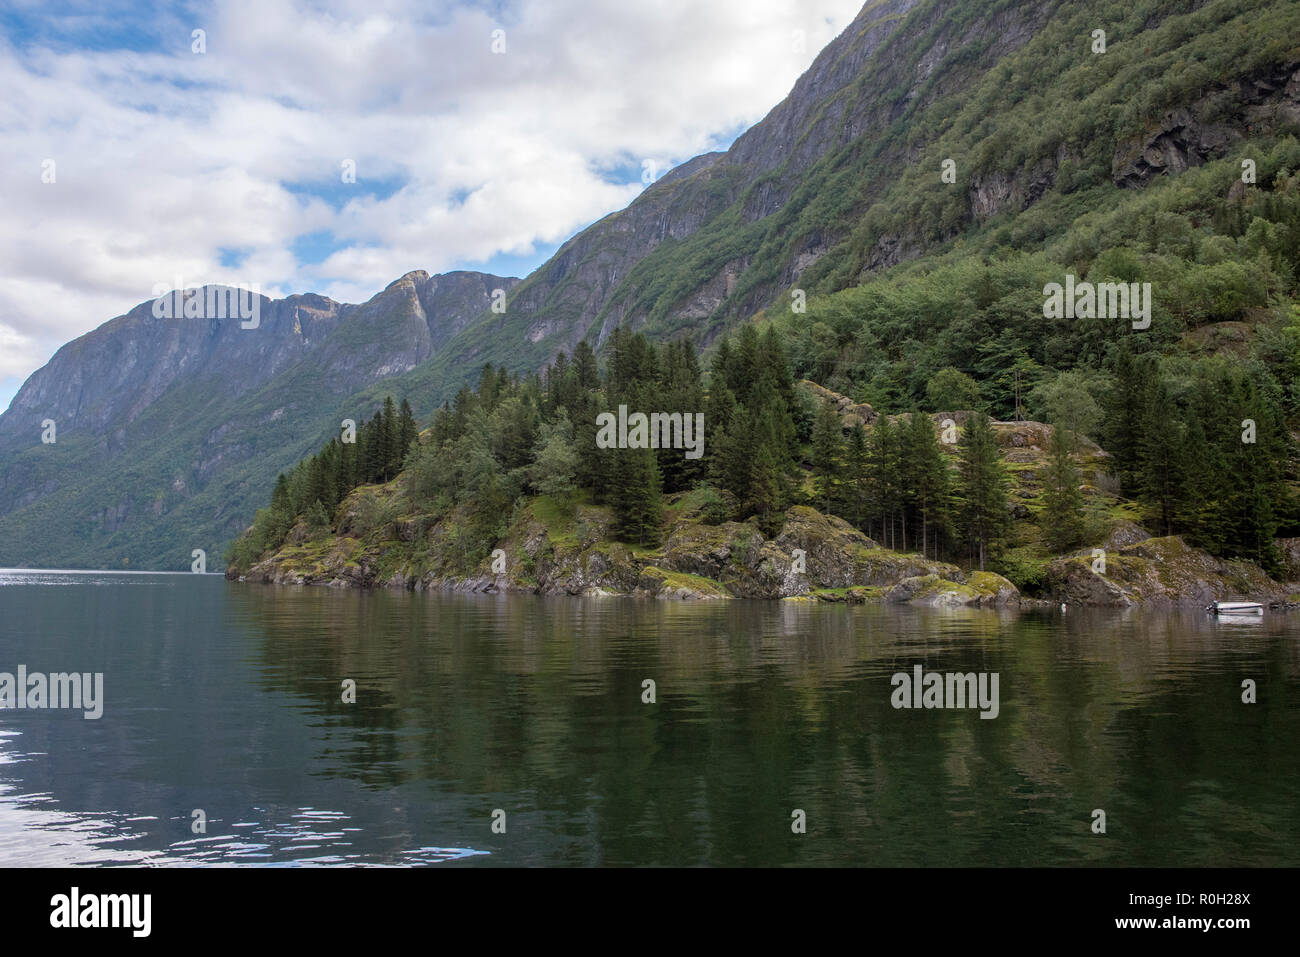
467	704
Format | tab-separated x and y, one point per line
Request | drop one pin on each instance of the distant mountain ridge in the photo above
165	426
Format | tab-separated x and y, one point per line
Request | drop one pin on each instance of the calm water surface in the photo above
227	698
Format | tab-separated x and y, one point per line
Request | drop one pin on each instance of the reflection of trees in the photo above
767	707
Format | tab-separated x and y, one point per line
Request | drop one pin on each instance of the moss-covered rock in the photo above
981	588
1158	571
564	546
654	582
993	589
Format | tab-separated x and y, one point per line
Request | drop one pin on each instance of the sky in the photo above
332	146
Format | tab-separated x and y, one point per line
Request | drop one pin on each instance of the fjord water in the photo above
227	698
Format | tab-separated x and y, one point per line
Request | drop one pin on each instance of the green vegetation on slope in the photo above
770	445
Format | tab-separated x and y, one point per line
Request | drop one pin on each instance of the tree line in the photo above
768	445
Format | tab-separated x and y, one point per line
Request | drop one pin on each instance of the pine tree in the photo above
927	480
407	433
983	484
856	490
827	453
637	497
1161	471
1062	516
585	367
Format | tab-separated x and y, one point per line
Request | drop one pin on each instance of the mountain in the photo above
1053	142
165	427
841	181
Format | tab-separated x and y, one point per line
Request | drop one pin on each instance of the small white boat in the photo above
1236	608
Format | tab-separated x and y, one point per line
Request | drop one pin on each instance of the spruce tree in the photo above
1125	413
885	481
1061	518
489	387
774	365
827	453
729	462
927	480
407	433
637	497
1161	470
984	515
721	374
1255	449
767	498
282	516
856	491
743	373
585	368
1202	512
375	451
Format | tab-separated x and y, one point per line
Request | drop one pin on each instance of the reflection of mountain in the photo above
764	708
227	698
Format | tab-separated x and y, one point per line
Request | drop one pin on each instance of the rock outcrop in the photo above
1160	572
812	555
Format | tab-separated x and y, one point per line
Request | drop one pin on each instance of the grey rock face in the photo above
170	429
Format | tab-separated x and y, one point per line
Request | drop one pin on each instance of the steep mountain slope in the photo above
842	179
165	427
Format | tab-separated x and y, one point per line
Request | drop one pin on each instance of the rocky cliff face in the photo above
106	379
1203	130
168	430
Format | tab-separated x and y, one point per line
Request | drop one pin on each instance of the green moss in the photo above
687	582
853	595
557	515
987	584
934	585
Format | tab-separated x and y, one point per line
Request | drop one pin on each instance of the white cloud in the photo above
165	158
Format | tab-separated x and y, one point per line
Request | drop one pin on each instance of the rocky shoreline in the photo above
814	557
